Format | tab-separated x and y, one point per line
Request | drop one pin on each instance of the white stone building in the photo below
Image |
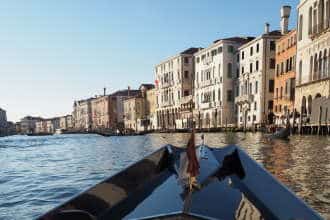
255	85
174	86
215	71
313	54
82	114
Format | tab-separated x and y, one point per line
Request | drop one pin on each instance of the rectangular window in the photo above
257	48
251	67
219	49
230	49
257	65
256	88
230	70
251	51
213	53
242	69
242	55
229	95
186	60
271	85
255	105
286	88
270	104
254	118
186	93
272	46
186	74
197	59
272	63
250	88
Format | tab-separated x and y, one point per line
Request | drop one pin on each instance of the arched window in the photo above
315	67
321	16
310	21
311	69
309	102
303	106
314	21
325	64
300	71
320	66
327	14
300	27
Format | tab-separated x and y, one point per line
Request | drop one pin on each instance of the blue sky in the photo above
55	52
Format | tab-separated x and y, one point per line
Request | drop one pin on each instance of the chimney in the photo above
285	14
266	28
104	91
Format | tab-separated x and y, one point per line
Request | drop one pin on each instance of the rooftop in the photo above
191	50
242	40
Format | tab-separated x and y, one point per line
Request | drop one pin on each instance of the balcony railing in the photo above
167	84
244	99
205	105
186	99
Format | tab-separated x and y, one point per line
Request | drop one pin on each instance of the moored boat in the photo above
230	185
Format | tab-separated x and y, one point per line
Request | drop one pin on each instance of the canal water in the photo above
39	173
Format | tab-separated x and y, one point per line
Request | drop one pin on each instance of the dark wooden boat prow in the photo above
232	186
282	133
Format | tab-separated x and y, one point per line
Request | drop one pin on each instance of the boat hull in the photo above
231	185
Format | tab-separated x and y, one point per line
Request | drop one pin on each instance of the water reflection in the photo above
38	173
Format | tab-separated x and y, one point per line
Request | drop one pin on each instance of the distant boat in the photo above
39	134
282	133
58	131
231	185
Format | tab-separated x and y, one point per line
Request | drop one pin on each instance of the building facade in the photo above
66	122
28	124
215	72
101	112
151	108
41	126
285	77
117	106
313	56
82	114
174	83
134	112
255	84
3	122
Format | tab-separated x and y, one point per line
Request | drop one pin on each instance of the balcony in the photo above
167	84
319	29
244	99
205	105
166	103
186	99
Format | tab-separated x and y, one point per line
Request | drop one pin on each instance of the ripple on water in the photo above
39	173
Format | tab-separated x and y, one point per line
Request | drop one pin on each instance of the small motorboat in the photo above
231	185
282	133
